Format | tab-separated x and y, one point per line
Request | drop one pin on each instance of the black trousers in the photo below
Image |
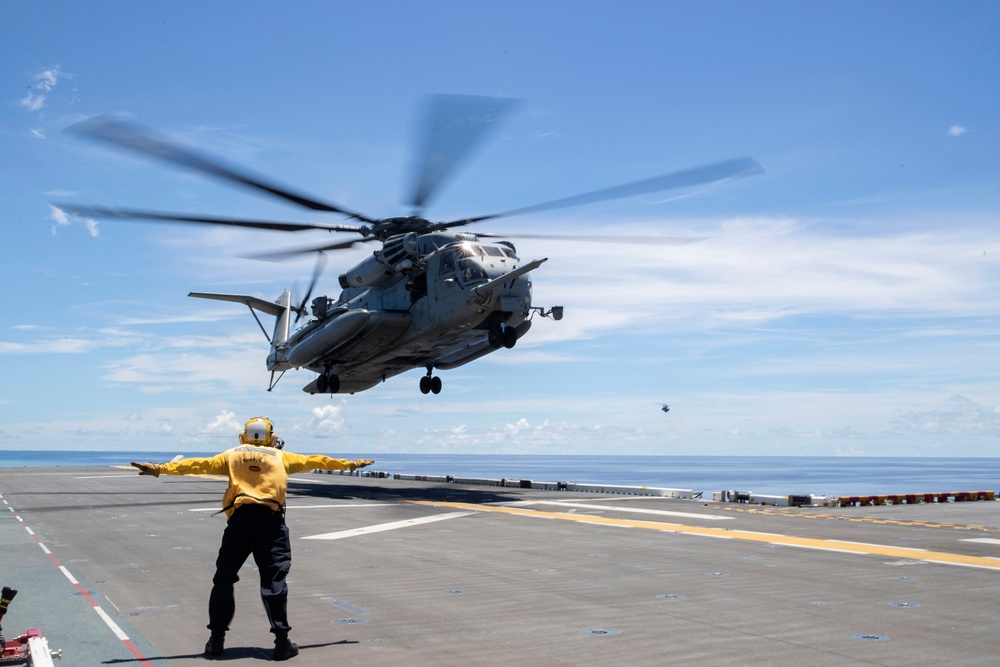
261	531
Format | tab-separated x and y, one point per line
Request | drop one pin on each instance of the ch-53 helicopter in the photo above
429	297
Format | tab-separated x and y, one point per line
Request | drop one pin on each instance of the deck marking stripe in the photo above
634	510
111	624
382	527
104	476
114	627
306	507
983	540
940	557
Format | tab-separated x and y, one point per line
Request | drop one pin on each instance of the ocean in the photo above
769	475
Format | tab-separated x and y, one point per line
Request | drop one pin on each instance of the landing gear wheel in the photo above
509	337
327	384
430	384
496	337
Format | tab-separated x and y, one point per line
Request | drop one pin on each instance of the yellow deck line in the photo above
767	538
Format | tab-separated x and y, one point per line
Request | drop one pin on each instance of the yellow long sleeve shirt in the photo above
256	474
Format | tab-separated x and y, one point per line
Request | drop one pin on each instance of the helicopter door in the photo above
448	266
445	288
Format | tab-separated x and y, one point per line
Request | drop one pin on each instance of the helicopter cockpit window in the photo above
448	262
469	250
496	251
471	271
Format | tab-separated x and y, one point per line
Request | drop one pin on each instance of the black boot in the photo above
284	649
215	644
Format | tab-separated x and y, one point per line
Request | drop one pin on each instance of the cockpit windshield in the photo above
498	251
464	259
470	270
467	258
469	249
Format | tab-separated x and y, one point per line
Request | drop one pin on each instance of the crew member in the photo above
255	505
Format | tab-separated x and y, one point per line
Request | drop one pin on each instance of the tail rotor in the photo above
317	271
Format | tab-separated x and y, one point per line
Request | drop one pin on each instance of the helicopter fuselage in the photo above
433	301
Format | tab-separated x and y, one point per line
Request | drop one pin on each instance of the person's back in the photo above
254	503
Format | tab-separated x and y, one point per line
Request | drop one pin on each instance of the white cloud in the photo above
224	424
44	81
326	420
53	346
47	79
956	131
753	272
59	216
64	219
32	102
962	416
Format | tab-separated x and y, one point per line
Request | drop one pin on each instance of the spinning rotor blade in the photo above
134	214
640	240
453	125
133	138
305	250
713	173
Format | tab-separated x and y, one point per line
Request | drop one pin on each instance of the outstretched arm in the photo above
300	462
215	465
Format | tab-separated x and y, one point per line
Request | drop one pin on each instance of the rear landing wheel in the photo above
430	384
509	337
327	384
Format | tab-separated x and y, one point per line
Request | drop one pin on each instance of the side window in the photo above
448	264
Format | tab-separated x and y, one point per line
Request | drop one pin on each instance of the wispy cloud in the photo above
48	78
956	131
43	82
52	346
961	416
757	271
32	102
64	219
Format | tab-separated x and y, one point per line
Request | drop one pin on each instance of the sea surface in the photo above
769	475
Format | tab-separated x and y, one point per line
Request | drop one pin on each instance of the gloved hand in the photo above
148	468
6	596
360	463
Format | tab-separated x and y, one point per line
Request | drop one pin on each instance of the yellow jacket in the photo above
256	474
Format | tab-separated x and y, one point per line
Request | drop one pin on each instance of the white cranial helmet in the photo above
258	431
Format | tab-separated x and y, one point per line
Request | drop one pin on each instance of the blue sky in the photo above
844	303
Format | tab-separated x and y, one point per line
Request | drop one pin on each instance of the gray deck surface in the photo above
417	573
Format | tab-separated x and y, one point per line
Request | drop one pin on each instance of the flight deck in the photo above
115	569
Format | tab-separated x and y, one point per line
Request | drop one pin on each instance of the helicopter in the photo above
665	408
428	297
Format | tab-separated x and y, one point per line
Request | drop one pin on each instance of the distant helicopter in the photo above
665	408
429	297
